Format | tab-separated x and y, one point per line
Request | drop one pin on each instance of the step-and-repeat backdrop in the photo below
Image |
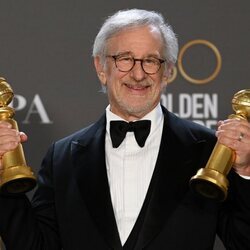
45	54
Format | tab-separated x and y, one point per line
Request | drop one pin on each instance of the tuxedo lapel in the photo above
168	185
89	158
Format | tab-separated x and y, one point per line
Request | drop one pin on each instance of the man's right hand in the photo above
9	139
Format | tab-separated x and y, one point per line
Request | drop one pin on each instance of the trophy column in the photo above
16	177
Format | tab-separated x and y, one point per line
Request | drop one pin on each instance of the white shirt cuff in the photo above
245	176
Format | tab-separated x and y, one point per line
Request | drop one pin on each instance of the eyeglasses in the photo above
125	63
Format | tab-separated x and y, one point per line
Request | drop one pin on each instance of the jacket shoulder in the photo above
188	129
83	135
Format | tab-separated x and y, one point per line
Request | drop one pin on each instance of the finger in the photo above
9	139
6	129
8	147
233	129
234	124
1	165
9	135
4	124
219	123
238	139
23	137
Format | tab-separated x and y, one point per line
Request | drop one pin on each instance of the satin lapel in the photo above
168	185
91	176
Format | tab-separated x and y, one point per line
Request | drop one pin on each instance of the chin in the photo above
138	110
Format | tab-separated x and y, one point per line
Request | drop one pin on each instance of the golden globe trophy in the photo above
211	181
16	176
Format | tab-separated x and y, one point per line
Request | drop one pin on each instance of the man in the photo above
97	191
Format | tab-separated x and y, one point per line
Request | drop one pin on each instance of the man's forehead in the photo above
137	28
136	38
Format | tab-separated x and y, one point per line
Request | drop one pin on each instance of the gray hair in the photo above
133	18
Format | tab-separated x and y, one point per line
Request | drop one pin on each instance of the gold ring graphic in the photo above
217	55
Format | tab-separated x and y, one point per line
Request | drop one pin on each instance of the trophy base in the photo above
17	180
210	184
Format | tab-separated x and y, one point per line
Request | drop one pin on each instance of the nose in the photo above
137	72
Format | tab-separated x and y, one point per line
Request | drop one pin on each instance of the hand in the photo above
9	139
235	134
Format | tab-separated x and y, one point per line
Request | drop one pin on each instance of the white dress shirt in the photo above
129	170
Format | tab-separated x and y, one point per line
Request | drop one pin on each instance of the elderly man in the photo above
123	182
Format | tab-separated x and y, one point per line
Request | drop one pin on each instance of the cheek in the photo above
114	83
158	83
116	78
112	73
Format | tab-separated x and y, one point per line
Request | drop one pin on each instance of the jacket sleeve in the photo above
33	226
234	216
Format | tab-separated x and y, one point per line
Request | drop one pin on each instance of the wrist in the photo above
243	171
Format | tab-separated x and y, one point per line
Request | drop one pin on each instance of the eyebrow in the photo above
124	53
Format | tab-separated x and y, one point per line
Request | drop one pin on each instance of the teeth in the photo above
136	87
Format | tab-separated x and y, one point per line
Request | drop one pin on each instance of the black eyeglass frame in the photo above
161	61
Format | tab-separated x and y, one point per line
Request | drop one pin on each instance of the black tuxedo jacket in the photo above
72	208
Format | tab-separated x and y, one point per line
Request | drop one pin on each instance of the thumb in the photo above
23	137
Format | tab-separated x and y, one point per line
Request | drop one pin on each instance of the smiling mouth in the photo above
137	87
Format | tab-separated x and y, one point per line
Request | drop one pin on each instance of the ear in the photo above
167	74
100	70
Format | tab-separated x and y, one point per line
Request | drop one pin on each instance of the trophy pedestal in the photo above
210	183
17	179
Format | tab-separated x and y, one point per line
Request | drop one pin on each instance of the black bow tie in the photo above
118	130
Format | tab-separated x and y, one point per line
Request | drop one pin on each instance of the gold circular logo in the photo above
217	55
